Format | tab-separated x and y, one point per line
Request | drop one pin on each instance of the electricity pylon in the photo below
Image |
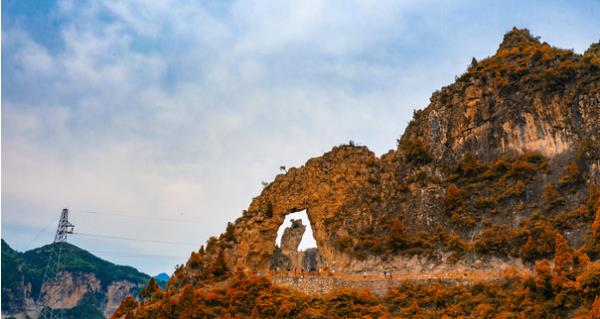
51	284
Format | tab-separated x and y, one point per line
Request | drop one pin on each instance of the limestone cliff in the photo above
484	177
292	236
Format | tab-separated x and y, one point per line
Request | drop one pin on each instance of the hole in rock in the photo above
308	239
296	249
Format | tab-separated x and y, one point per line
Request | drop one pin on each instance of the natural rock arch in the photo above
323	187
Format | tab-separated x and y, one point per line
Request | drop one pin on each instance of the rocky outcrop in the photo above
290	240
321	187
292	236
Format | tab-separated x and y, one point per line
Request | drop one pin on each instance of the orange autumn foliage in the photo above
534	296
596	226
563	260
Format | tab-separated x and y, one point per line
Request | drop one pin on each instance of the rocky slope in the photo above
494	174
90	287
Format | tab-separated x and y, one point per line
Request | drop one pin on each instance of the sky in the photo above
174	112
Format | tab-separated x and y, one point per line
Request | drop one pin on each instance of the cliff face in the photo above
485	176
87	287
527	97
292	236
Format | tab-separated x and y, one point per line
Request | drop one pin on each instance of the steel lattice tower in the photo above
51	283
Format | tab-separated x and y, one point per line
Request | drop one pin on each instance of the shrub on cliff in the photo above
551	197
540	238
126	308
571	175
494	241
596	226
415	150
151	291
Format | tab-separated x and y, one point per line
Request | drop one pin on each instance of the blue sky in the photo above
179	109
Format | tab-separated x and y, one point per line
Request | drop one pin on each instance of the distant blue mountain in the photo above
162	277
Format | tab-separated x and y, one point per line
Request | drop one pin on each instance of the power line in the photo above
125	253
130	253
136	255
140	217
138	239
30	245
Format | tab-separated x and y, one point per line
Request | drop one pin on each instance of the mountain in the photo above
91	287
488	207
162	277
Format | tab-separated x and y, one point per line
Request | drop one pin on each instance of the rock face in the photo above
71	290
292	236
75	288
507	155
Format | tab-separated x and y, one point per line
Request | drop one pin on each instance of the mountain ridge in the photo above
92	286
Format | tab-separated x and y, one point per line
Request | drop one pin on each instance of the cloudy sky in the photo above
176	111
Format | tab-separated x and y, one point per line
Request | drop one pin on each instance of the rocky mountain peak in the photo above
518	38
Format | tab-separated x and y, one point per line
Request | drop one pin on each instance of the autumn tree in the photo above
595	312
593	197
563	260
528	251
188	305
217	270
151	291
396	237
571	175
415	150
543	278
453	200
126	308
596	226
551	197
518	189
